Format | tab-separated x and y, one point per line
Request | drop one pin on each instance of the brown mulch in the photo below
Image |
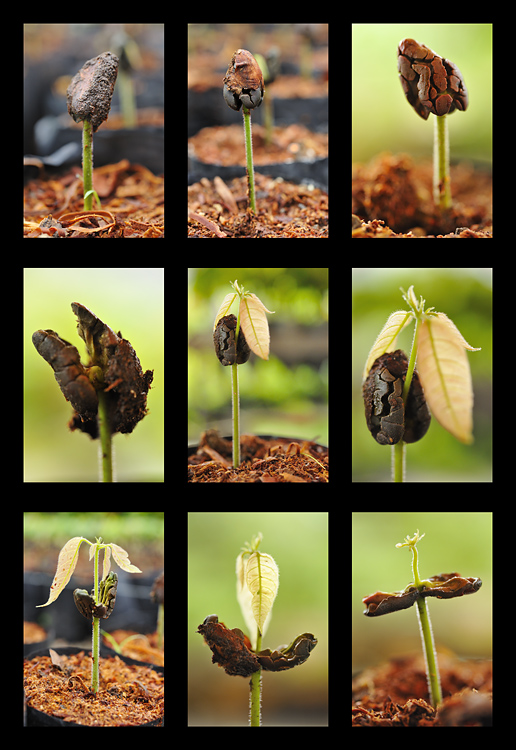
133	204
127	695
284	210
274	460
396	694
226	146
392	197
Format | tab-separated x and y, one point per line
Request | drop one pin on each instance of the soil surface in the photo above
274	460
127	695
396	694
284	210
133	204
225	145
392	197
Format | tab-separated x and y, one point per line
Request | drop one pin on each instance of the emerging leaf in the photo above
444	371
223	309
262	580
386	340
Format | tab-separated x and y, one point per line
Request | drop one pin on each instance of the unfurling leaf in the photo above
254	324
223	309
444	371
66	563
386	340
262	580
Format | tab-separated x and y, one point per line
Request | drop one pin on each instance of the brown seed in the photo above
89	94
387	418
430	82
243	82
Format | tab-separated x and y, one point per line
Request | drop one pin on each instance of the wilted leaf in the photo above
57	659
386	340
444	371
254	324
262	580
66	563
122	559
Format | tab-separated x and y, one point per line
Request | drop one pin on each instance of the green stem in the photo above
95	656
105	438
87	164
95	628
442	189
398	461
256	690
249	157
236	416
427	638
399	451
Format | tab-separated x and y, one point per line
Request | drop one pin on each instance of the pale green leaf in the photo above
386	340
224	308
245	599
254	324
262	580
121	558
66	563
106	564
443	367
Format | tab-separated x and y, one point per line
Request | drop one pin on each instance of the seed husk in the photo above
90	92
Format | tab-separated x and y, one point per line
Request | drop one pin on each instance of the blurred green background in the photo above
284	396
460	542
299	544
383	120
465	295
127	299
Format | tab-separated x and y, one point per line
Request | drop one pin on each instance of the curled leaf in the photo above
445	374
254	324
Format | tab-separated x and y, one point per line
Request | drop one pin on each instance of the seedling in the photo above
257	586
110	393
234	339
89	100
243	87
396	395
443	586
100	603
433	84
